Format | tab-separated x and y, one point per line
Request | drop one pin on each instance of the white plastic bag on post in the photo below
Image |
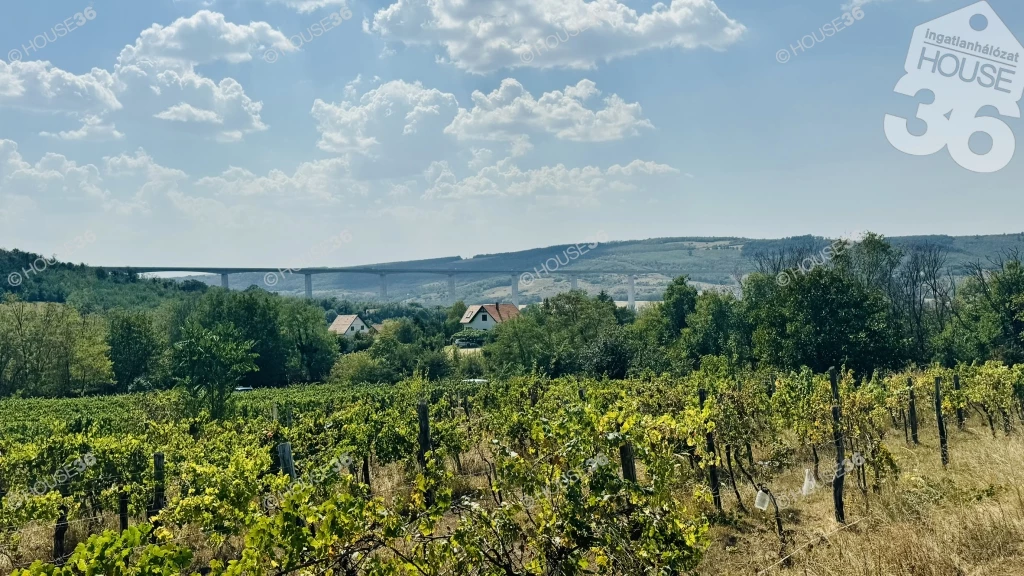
761	501
809	483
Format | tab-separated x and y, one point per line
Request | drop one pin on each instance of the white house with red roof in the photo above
487	316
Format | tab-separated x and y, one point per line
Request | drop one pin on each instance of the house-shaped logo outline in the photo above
958	23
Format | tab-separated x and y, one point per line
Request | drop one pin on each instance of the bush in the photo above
360	367
477	337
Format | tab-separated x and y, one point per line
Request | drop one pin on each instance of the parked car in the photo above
243	389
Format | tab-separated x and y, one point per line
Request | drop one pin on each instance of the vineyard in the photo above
651	475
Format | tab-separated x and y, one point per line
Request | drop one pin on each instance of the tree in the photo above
312	347
715	328
208	364
989	319
552	336
135	349
51	350
609	355
434	365
680	300
452	323
360	367
649	337
820	319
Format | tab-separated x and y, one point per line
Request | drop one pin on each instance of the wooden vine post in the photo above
913	411
423	413
366	472
58	535
159	499
944	447
702	394
959	408
628	462
122	507
839	478
284	456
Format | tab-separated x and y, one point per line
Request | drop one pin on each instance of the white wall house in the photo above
348	325
487	316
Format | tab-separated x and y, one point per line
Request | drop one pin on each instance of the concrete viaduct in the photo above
384	272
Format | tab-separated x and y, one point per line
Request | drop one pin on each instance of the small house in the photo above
348	325
487	316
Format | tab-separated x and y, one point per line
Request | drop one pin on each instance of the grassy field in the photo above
966	520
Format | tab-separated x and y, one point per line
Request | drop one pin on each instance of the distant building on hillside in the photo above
487	316
348	325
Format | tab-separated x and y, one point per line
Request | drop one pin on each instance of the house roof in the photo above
500	312
342	323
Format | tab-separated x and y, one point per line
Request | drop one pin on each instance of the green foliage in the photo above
113	554
717	327
679	302
821	319
50	349
135	350
208	364
361	367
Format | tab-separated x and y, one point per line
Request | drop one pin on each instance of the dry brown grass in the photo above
967	520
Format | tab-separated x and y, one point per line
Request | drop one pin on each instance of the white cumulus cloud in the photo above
485	35
93	129
510	111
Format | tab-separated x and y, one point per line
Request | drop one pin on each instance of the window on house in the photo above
352	329
483	317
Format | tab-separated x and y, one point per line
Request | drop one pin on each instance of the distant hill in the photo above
710	262
32	278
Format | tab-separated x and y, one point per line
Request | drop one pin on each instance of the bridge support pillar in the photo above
632	292
515	289
309	286
224	282
383	286
573	282
451	288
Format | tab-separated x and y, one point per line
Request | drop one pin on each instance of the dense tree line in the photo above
52	349
867	306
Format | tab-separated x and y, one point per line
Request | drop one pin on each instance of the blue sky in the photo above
420	127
